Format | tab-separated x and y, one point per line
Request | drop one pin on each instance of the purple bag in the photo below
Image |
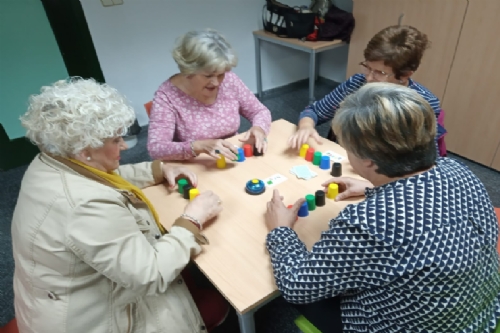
339	24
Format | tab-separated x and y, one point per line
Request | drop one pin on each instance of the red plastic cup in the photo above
310	154
248	150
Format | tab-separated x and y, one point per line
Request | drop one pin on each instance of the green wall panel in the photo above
29	59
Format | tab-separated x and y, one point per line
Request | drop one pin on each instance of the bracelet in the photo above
192	149
192	219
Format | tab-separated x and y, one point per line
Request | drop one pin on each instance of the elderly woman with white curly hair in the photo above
195	110
90	252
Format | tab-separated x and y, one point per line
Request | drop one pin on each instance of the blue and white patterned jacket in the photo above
417	255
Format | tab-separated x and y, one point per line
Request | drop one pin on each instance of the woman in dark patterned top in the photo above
392	55
418	254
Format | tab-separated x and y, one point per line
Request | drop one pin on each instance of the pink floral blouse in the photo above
177	119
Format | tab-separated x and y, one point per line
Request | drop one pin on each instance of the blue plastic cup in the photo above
303	210
325	163
241	155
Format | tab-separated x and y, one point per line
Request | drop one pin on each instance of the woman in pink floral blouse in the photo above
195	110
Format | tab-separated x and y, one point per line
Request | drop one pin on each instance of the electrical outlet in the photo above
107	3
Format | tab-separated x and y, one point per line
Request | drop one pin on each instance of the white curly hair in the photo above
76	114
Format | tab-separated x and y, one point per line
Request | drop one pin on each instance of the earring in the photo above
88	158
400	81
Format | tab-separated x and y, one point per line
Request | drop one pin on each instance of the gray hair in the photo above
389	124
204	51
72	115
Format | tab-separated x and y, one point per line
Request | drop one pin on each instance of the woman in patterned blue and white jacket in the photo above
392	55
418	254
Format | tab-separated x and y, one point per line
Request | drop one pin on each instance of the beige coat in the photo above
90	258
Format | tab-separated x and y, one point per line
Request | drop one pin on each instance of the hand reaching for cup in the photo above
204	207
302	135
215	147
348	187
172	172
278	215
257	136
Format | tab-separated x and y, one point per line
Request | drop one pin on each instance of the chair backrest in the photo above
148	106
441	143
11	327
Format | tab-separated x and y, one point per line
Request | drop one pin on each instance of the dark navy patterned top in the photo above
323	110
417	255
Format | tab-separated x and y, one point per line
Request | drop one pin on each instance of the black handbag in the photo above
285	21
338	24
299	25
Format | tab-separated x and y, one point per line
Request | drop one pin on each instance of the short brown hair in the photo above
389	124
399	47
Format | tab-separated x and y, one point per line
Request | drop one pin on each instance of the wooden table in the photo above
313	48
236	261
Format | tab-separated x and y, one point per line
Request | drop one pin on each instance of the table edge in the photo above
262	35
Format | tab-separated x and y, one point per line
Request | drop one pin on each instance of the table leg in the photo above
247	323
312	73
316	73
258	66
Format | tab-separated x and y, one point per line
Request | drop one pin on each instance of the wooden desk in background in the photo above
236	261
313	48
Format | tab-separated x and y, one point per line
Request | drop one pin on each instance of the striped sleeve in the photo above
435	105
428	96
323	110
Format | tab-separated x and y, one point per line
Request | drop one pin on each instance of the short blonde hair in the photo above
389	124
72	115
204	51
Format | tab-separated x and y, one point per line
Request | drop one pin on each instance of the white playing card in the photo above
334	157
274	180
303	172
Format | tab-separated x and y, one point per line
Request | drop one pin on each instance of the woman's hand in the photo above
302	135
172	172
348	187
277	215
215	147
258	136
204	207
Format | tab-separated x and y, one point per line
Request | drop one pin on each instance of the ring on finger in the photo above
217	151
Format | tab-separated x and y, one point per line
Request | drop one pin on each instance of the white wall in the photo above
134	42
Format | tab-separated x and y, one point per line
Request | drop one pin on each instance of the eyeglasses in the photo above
377	75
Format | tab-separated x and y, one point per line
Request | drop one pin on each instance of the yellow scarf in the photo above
117	181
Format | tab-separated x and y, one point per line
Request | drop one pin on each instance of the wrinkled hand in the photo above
204	207
302	135
277	215
348	187
215	147
172	172
258	136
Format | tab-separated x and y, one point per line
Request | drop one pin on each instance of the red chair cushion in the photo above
148	106
11	327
